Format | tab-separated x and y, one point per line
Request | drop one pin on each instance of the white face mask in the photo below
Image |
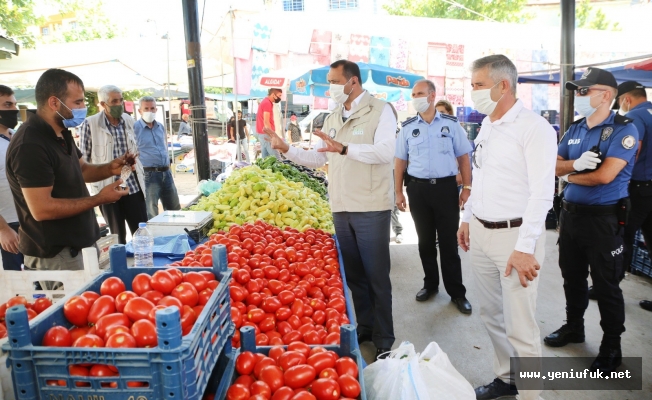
583	105
482	100
421	104
623	110
337	92
149	116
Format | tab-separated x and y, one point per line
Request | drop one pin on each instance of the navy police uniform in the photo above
431	150
592	225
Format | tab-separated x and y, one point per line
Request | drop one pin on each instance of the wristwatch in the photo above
345	147
466	187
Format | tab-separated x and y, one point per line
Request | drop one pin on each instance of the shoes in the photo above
399	238
382	353
609	358
646	305
364	337
495	390
424	294
564	335
592	295
463	305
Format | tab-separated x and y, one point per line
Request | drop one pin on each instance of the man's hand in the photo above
127	159
588	160
464	197
331	145
275	140
9	240
526	266
112	193
400	201
458	179
463	236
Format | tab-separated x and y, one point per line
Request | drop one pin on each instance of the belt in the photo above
514	223
432	181
589	210
156	169
640	183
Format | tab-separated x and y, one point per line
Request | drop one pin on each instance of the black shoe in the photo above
608	360
495	390
592	295
364	337
424	294
646	305
382	353
463	305
564	335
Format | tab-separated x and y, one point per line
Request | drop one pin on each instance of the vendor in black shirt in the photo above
47	175
243	134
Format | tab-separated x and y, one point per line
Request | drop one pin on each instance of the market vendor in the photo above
48	175
358	142
265	120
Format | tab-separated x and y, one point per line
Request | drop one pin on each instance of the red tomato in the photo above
153	295
299	376
41	304
267	324
187	294
112	286
265	361
163	281
76	333
237	293
121	340
90	296
291	337
205	296
297	308
196	279
212	284
256	315
57	336
325	389
290	359
102	370
198	310
276	352
332	338
188	318
110	320
349	386
283	393
238	392
262	339
208	275
286	297
138	308
76	310
89	340
272	376
346	366
245	363
77	370
177	275
246	380
169	301
321	361
271	304
283	313
17	300
152	313
206	260
104	305
141	284
328	373
122	299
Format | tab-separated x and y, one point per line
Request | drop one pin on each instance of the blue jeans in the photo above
160	185
11	261
266	147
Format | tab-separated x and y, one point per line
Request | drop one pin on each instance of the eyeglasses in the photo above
474	158
583	91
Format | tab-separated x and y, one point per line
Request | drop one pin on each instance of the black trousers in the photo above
130	208
364	242
11	261
593	244
435	209
640	217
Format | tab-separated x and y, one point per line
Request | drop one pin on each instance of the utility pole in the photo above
567	68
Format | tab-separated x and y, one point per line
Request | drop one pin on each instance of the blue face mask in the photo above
78	116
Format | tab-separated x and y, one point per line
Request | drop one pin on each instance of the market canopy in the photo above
622	74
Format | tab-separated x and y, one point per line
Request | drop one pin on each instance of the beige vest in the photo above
353	185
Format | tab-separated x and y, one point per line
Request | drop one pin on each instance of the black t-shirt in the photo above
241	128
36	157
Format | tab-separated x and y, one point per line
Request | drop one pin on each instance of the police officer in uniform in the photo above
433	143
596	157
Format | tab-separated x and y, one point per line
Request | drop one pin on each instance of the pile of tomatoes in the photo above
33	309
298	373
286	284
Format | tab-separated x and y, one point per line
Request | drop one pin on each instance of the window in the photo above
292	5
45	31
342	4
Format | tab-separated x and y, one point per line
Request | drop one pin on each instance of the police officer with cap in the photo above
596	157
434	143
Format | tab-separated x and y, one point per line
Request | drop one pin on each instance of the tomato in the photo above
104	305
208	275
256	315
112	286
177	275
338	304
325	389
238	392
332	338
300	347
283	313
212	284
111	320
246	380
188	318
41	304
349	386
122	299
276	352
240	306
272	376
163	281
138	308
297	308
237	293
77	332
290	359
170	301
271	304
153	295
303	395
76	310
115	329
321	361
78	370
89	340
328	373
245	363
236	317
102	370
286	297
17	300
57	336
206	260
196	279
271	272
152	313
346	366
299	376
262	363
283	393
121	340
141	284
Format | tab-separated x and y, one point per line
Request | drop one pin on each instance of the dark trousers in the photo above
640	217
160	185
130	208
11	261
364	243
435	209
595	241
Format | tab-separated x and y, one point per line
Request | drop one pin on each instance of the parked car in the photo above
314	120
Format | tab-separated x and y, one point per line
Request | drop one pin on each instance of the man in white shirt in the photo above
358	142
504	218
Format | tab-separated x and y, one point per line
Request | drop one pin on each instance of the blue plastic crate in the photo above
348	348
641	263
179	368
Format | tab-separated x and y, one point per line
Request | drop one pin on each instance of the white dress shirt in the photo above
381	152
514	173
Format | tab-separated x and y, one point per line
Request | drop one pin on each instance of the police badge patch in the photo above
606	132
445	130
332	132
416	133
629	142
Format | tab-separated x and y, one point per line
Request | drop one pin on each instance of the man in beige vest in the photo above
358	142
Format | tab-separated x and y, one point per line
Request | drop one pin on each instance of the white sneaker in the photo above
399	238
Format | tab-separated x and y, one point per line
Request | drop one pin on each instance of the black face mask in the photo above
9	118
277	100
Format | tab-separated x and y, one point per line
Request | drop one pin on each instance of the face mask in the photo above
622	110
116	111
78	116
149	117
277	100
583	105
421	104
482	100
9	118
337	92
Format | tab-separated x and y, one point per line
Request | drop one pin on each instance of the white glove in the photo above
564	178
588	160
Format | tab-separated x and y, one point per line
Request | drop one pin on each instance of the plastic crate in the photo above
104	244
641	263
348	347
179	368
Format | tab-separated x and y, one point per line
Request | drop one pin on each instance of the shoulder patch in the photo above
450	117
408	121
621	119
578	121
629	142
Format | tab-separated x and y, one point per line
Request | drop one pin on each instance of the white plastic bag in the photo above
396	377
441	378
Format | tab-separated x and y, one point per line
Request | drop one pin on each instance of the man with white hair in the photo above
107	135
153	152
504	218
